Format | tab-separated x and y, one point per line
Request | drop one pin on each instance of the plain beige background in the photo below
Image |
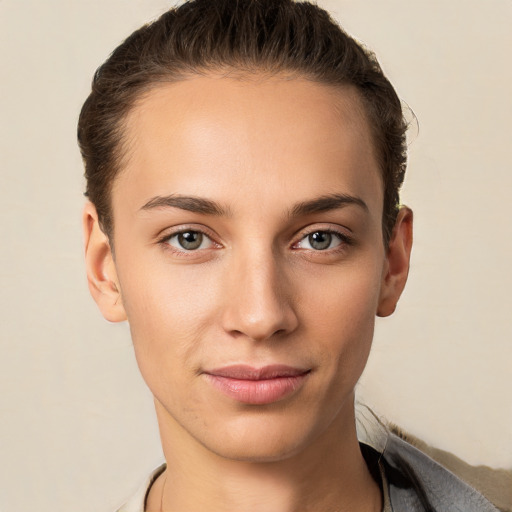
77	429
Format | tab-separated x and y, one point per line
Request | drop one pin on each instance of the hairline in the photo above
249	73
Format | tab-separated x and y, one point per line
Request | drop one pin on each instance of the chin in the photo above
264	440
269	450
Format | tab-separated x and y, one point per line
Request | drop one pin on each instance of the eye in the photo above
189	240
321	240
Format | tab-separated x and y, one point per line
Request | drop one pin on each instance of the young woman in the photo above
243	163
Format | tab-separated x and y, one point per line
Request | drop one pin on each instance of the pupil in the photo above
190	239
320	240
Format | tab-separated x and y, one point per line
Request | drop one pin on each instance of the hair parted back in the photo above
270	36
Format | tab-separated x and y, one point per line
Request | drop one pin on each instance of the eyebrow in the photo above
208	207
188	203
326	203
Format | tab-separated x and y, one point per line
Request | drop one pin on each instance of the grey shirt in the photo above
417	483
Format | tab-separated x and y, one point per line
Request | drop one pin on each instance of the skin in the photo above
256	291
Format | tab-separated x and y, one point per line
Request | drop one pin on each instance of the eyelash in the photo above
184	253
344	241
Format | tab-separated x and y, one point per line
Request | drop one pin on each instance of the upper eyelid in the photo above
169	232
308	230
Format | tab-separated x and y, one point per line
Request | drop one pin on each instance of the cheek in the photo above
169	308
341	309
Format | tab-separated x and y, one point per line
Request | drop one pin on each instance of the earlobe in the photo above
100	266
396	267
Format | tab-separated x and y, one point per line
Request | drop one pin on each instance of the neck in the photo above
330	474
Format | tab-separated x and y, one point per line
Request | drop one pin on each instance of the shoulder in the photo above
419	483
138	501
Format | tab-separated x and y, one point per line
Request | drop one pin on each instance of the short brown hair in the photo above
271	36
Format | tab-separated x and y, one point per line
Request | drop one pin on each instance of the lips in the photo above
257	386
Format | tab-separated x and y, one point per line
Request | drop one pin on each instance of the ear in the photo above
396	266
100	266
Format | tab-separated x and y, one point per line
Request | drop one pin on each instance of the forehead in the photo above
219	136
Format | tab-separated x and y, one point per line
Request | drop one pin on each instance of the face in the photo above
249	259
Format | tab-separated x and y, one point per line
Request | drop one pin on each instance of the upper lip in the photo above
246	372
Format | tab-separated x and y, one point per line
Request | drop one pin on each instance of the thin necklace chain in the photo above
163	492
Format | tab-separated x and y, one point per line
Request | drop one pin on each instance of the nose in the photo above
258	303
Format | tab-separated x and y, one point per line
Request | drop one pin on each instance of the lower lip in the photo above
258	392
